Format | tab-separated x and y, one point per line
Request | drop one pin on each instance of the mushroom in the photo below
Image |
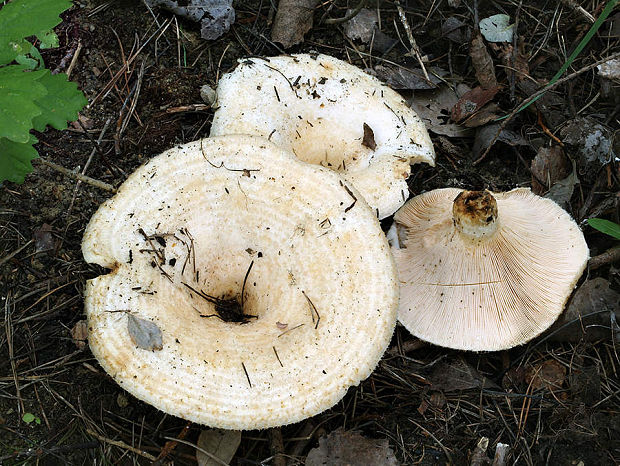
484	271
247	290
328	113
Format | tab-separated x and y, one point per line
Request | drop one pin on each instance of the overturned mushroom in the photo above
328	113
247	289
484	271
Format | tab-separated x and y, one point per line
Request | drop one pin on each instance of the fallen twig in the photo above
78	176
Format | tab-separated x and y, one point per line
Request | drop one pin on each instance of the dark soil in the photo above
417	398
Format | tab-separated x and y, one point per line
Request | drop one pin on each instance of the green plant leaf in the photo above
28	418
18	91
49	40
62	102
605	226
24	18
15	159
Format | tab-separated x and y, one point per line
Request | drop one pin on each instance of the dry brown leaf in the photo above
485	135
518	63
457	374
549	374
79	334
350	448
293	20
594	295
219	443
399	77
362	26
472	101
482	62
549	166
43	238
486	114
433	107
369	138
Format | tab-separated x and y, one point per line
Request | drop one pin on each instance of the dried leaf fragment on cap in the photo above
484	271
271	289
322	109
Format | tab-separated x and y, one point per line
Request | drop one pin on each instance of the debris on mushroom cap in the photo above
331	113
270	281
484	271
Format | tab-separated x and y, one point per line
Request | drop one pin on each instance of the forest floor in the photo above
553	401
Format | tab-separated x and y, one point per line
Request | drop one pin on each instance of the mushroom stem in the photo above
475	214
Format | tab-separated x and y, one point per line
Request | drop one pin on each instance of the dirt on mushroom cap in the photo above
330	113
188	225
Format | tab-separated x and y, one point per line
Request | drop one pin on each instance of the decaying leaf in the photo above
497	28
79	334
369	138
350	448
362	25
562	190
550	375
486	135
215	16
457	374
455	30
399	77
434	108
592	142
293	20
43	239
594	295
514	62
610	69
482	62
549	166
144	333
219	443
488	113
472	101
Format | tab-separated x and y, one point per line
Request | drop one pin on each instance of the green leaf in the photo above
62	102
28	418
605	226
24	18
49	40
18	91
15	159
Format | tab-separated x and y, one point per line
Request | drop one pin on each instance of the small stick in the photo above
608	257
415	50
246	374
78	176
189	108
278	357
121	444
276	445
74	59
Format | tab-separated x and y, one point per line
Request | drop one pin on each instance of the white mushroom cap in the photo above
222	215
321	108
485	272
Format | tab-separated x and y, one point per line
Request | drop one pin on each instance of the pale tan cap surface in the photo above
492	292
317	106
208	212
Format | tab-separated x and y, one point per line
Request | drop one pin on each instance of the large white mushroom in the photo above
248	289
482	271
328	113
